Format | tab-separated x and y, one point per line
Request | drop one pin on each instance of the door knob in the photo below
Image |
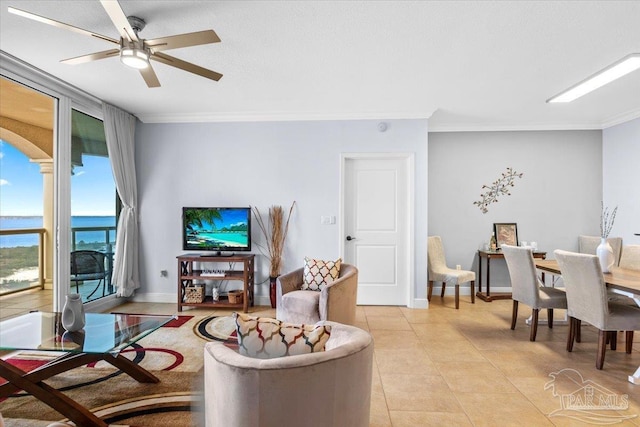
349	238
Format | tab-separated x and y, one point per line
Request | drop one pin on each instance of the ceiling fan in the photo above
133	50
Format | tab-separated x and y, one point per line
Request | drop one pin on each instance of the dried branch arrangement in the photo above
606	220
275	234
499	187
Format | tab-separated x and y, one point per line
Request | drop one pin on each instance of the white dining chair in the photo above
528	289
587	300
630	257
438	271
589	244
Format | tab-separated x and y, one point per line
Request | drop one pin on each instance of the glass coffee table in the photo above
103	337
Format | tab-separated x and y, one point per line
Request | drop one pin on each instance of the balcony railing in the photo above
77	242
41	233
76	230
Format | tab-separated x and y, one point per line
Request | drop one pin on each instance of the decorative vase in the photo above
272	291
73	313
605	255
215	294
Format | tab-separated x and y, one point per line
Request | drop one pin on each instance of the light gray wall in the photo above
557	199
621	178
260	164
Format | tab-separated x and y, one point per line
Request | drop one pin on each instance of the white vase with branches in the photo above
275	231
604	251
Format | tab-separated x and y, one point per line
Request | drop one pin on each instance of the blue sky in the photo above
230	217
92	187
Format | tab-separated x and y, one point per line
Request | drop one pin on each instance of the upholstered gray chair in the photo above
630	257
331	388
588	245
439	272
528	289
335	302
587	300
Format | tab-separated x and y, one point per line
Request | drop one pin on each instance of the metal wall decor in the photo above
499	187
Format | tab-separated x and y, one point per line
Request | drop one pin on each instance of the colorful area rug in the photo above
174	354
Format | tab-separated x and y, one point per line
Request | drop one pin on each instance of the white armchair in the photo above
335	302
331	388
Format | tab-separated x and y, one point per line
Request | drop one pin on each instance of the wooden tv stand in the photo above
187	274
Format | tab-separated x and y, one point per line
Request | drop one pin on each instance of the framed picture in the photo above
506	233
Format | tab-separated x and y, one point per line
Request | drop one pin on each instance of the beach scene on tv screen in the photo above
216	228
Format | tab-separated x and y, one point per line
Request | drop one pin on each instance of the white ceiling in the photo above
468	65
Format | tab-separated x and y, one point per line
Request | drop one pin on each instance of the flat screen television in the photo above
215	229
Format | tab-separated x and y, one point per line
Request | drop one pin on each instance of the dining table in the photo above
623	281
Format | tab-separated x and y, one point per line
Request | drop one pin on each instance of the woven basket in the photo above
194	294
235	297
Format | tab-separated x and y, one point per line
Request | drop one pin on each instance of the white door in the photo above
377	221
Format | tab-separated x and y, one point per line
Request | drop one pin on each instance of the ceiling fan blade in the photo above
59	24
150	77
183	40
92	57
186	66
119	19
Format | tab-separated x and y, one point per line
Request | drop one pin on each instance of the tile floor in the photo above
466	367
443	366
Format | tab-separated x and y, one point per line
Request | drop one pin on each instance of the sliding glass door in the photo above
27	122
77	196
93	209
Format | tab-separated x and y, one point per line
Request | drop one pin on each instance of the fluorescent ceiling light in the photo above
614	71
134	57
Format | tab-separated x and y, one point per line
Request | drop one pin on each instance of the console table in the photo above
187	274
488	255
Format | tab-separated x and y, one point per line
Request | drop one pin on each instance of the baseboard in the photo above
155	297
263	300
103	305
420	303
465	290
260	300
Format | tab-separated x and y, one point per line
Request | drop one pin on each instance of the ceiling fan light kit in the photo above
134	57
134	51
613	72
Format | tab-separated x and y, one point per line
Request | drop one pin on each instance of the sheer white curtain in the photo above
119	129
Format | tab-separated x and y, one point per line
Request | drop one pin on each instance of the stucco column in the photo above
46	169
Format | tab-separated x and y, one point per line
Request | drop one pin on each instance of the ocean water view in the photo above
15	222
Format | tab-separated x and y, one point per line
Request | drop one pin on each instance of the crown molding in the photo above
276	117
503	127
621	118
434	126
